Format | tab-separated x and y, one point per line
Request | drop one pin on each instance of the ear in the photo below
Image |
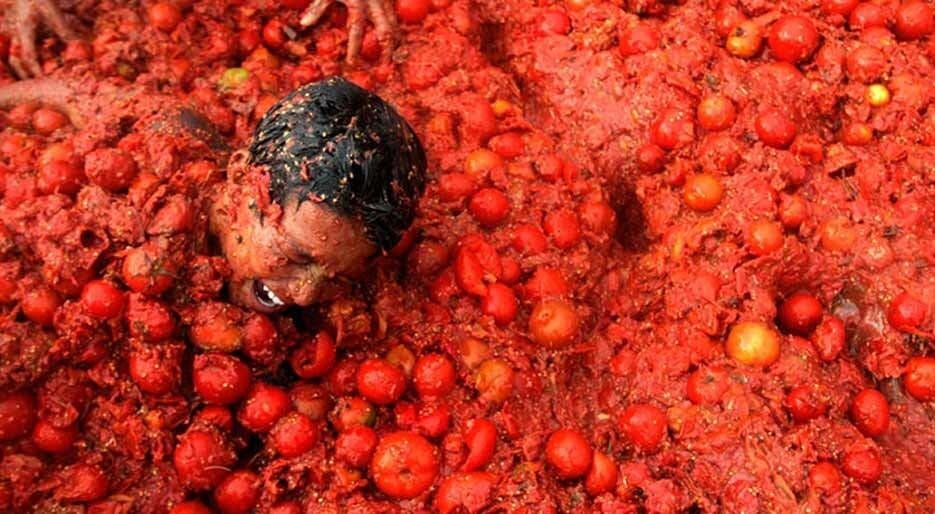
237	166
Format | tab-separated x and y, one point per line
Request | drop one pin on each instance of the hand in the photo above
379	12
23	18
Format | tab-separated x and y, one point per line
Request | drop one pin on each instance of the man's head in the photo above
333	176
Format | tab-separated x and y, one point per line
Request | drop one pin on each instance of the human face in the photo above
294	254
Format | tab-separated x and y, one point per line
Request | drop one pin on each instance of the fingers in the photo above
55	20
18	69
356	22
384	22
314	12
28	58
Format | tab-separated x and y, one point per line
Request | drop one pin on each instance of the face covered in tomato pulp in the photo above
332	177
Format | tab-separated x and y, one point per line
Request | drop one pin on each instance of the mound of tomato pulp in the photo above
673	257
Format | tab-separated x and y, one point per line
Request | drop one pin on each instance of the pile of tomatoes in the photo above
750	330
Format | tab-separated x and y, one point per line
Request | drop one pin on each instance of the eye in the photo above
265	296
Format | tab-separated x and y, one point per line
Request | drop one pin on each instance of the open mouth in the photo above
265	296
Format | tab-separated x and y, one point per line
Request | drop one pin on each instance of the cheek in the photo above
348	256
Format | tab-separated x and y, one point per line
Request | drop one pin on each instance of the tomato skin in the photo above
866	64
352	411
156	369
294	434
489	206
469	273
494	380
508	145
434	375
841	7
753	344
479	120
553	23
220	379
563	228
216	326
703	192
775	129
202	457
866	15
315	356
569	453
355	445
455	187
53	439
800	313
46	121
404	465
238	493
829	338
639	39
466	492
165	16
914	20
650	158
412	11
148	269
871	412
110	168
602	477
40	305
82	483
673	129
745	39
906	313
919	378
380	382
716	112
793	210
263	406
481	440
217	415
838	234
864	466
553	323
17	415
499	303
644	425
804	404
598	217
726	17
528	239
793	38
149	320
273	34
764	237
825	477
174	217
102	299
707	385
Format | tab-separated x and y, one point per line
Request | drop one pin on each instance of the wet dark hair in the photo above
344	146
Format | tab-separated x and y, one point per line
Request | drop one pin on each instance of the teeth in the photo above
273	299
